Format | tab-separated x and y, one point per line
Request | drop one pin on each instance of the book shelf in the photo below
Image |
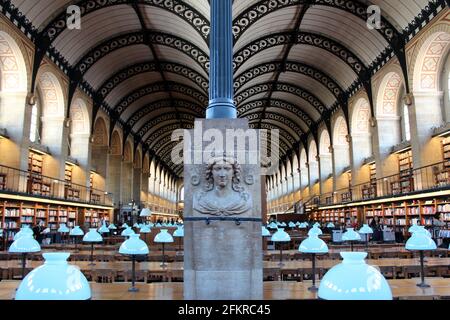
370	191
69	192
94	217
405	184
2	181
443	176
36	186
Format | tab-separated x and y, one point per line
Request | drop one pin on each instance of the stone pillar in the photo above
325	160
127	182
144	188
221	90
99	162
113	181
137	185
81	151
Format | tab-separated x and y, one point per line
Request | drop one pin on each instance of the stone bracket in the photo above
208	220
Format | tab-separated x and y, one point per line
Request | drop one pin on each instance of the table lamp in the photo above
281	236
354	279
146	230
124	226
315	230
298	224
272	225
303	225
163	237
413	228
92	237
113	228
145	213
63	229
133	247
283	225
158	225
24	230
103	228
76	232
265	232
25	244
313	245
179	233
351	235
330	225
291	225
54	280
420	241
366	230
127	232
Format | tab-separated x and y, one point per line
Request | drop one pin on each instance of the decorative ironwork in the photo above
177	7
160	87
290	66
140	68
262	8
284	144
282	87
161	132
306	38
166	117
275	117
136	38
276	103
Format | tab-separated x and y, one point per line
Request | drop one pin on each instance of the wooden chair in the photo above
15	273
412	272
175	276
271	274
104	275
141	276
388	272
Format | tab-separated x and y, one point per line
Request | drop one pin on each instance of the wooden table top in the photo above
401	288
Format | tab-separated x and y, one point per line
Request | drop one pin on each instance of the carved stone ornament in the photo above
195	180
250	180
223	194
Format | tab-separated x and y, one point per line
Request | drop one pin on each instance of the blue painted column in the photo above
221	91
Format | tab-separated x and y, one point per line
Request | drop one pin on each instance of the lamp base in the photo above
423	285
313	289
133	289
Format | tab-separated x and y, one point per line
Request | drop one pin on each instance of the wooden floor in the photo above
401	289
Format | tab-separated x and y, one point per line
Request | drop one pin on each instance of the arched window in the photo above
406	129
35	124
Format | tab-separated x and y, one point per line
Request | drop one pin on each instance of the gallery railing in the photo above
16	181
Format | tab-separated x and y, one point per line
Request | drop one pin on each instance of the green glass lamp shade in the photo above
315	231
163	237
313	244
265	232
92	236
26	243
24	230
134	246
272	225
103	229
331	225
146	229
179	233
127	232
281	236
291	225
76	231
112	227
63	228
354	279
365	229
420	241
146	212
54	280
351	235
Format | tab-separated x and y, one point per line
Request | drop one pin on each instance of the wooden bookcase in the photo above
94	217
70	193
370	191
2	181
405	184
36	185
443	176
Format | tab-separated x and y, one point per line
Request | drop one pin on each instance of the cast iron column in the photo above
221	91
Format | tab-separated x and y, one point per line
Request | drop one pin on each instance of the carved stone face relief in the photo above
223	194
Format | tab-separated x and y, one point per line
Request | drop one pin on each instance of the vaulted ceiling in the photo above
148	60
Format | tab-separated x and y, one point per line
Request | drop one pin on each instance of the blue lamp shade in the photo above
330	225
146	212
420	241
265	232
151	224
163	237
92	236
146	229
283	225
54	280
354	279
134	246
298	224
76	231
351	235
63	228
112	227
24	244
158	225
291	225
365	229
136	226
179	233
272	225
413	228
103	229
24	230
315	231
421	229
316	225
124	226
313	244
281	236
303	225
127	232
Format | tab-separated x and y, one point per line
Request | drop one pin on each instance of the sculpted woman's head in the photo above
222	172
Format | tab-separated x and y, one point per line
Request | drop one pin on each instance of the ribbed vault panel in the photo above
290	116
313	86
277	21
170	54
159	112
116	61
323	60
299	102
96	27
177	95
131	84
158	126
165	21
37	11
202	6
240	6
257	80
254	97
271	54
346	29
143	102
180	79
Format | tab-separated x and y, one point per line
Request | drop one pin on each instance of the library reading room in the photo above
225	150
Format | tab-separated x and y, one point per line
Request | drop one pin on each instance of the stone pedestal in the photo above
223	260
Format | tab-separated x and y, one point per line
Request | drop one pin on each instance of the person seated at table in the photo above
436	226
